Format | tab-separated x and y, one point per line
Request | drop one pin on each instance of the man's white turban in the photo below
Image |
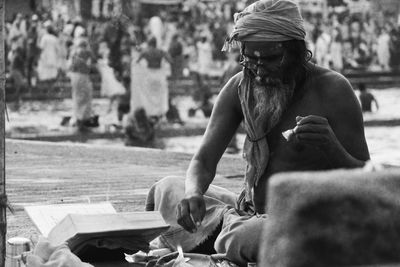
268	20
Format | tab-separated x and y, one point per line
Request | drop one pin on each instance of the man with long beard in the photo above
278	90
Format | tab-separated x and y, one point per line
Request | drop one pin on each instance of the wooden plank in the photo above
56	173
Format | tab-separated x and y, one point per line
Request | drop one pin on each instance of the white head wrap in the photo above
267	20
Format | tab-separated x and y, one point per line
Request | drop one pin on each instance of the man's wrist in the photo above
193	192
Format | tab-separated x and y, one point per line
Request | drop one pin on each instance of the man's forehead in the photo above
259	49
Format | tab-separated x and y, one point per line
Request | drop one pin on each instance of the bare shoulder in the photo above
334	90
228	97
233	83
339	104
331	83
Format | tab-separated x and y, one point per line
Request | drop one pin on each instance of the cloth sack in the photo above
47	255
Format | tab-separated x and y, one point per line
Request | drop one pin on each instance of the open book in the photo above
97	225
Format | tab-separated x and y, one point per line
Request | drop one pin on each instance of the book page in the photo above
45	217
126	229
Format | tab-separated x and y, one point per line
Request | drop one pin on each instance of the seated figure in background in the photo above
297	116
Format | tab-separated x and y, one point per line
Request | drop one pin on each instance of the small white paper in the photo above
286	134
181	261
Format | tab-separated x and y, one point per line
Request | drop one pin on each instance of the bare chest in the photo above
286	156
293	155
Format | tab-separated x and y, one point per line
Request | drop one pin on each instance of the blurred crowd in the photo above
362	42
184	40
193	36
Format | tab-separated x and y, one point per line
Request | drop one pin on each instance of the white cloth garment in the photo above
49	62
110	86
149	89
383	50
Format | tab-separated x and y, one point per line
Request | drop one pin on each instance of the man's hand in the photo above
315	130
190	212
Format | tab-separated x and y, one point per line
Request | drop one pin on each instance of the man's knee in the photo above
239	239
169	181
167	190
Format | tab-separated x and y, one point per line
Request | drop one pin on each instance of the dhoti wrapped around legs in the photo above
239	237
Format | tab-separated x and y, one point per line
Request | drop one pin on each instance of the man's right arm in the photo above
224	121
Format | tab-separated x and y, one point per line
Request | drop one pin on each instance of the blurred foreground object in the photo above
53	256
332	218
17	247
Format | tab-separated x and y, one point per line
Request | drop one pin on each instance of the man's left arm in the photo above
340	133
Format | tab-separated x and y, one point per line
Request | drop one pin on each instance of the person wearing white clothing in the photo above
49	64
110	86
322	49
149	87
204	55
383	51
336	50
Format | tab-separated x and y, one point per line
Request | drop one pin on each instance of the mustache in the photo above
273	80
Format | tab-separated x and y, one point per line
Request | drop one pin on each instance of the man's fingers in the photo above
311	137
198	210
299	118
183	217
310	128
311	119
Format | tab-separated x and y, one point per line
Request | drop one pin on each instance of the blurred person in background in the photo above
50	53
395	48
157	30
322	43
32	50
204	55
16	32
78	29
348	56
367	99
383	49
218	33
127	43
110	87
203	69
149	100
80	65
175	51
362	56
336	50
355	34
153	97
17	59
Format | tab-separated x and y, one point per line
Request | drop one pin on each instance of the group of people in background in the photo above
135	61
346	43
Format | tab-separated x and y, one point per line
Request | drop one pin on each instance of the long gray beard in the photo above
271	101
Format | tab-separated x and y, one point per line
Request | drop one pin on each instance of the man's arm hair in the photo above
225	119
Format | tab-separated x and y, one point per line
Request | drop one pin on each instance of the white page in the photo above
45	217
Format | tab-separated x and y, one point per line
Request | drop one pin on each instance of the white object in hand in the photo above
181	261
287	134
